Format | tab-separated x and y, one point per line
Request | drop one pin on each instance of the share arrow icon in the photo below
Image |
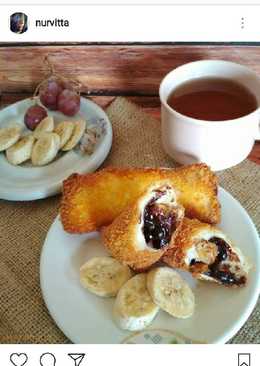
77	357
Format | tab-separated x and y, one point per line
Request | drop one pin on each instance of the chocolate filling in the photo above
159	224
221	272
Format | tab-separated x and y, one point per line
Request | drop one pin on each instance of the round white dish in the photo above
25	183
85	318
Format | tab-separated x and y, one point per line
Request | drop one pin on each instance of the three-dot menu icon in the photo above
242	23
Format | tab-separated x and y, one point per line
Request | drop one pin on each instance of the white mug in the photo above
221	144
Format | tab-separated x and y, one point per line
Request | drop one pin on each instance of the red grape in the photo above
49	93
68	102
34	115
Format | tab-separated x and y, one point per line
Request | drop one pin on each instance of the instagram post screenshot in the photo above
129	184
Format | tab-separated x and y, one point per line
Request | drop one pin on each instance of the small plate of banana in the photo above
34	163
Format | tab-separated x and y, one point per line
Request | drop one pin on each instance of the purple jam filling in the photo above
223	275
158	226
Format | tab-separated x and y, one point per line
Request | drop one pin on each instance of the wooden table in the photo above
110	70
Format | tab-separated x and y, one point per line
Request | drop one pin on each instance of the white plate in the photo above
22	183
85	318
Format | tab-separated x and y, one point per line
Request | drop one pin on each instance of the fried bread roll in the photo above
141	234
91	201
208	254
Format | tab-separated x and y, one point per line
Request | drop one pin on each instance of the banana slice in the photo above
78	131
9	136
21	151
170	292
56	139
46	125
134	308
104	276
64	130
45	149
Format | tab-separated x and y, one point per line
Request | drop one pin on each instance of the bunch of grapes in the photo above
56	93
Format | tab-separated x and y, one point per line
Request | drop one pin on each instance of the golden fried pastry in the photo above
208	254
91	201
141	234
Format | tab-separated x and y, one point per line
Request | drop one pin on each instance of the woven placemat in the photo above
23	226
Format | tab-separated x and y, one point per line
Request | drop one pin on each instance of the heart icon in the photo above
18	359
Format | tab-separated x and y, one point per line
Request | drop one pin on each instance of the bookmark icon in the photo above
244	359
77	358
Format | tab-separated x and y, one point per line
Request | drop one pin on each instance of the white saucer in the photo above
24	183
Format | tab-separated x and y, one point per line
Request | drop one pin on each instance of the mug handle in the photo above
257	136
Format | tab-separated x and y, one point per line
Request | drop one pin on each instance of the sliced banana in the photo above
21	151
170	292
46	125
64	130
9	136
45	149
78	131
104	276
134	308
56	139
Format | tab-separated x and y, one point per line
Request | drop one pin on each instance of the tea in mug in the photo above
212	99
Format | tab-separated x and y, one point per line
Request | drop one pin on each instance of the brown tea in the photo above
212	99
